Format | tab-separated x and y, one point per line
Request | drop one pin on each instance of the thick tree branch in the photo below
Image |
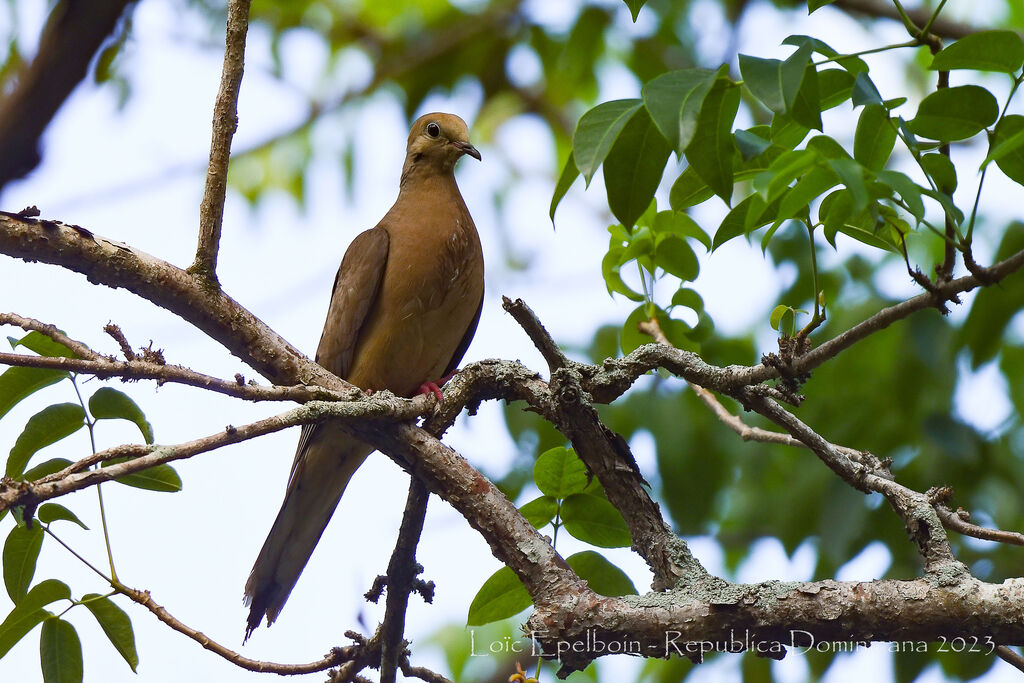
72	35
607	456
767	616
225	121
114	264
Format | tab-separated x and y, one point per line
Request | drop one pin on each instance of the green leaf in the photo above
29	612
688	190
633	168
674	101
603	577
634	7
852	65
21	551
786	132
565	181
502	595
806	108
907	188
596	521
610	265
630	337
774	82
983	51
597	131
941	170
1006	147
108	403
115	624
817	4
784	170
540	511
783	319
955	113
688	298
48	426
864	91
60	652
748	215
679	223
43	345
835	86
559	473
161	478
750	145
814	183
675	256
710	152
46	468
51	512
875	137
18	382
852	175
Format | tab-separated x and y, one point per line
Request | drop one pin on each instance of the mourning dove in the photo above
405	305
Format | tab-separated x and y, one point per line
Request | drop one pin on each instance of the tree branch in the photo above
942	27
769	616
337	655
381	406
72	35
607	456
401	579
225	122
959	521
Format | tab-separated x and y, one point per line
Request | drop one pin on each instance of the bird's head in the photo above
437	141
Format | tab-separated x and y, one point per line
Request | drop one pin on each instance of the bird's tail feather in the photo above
318	480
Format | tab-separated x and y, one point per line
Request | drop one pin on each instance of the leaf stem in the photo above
91	423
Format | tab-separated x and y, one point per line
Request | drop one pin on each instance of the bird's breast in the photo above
429	295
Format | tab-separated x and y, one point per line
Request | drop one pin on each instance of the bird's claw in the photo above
431	388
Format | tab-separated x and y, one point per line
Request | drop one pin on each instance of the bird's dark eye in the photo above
433	130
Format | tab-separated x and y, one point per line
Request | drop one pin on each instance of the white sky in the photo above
194	549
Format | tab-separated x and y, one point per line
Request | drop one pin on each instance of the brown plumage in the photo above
404	308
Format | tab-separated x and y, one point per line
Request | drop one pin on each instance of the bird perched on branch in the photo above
405	305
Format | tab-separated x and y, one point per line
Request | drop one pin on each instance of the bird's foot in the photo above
435	387
431	388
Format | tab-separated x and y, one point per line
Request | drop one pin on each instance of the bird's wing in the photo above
460	351
355	290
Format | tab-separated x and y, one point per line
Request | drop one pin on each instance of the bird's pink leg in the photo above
435	387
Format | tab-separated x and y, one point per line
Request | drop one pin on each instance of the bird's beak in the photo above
466	148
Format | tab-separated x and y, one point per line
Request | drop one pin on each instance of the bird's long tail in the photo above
326	461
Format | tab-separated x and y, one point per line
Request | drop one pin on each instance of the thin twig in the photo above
422	673
104	368
76	477
736	424
1010	656
953	520
51	331
919	15
540	337
225	122
337	655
